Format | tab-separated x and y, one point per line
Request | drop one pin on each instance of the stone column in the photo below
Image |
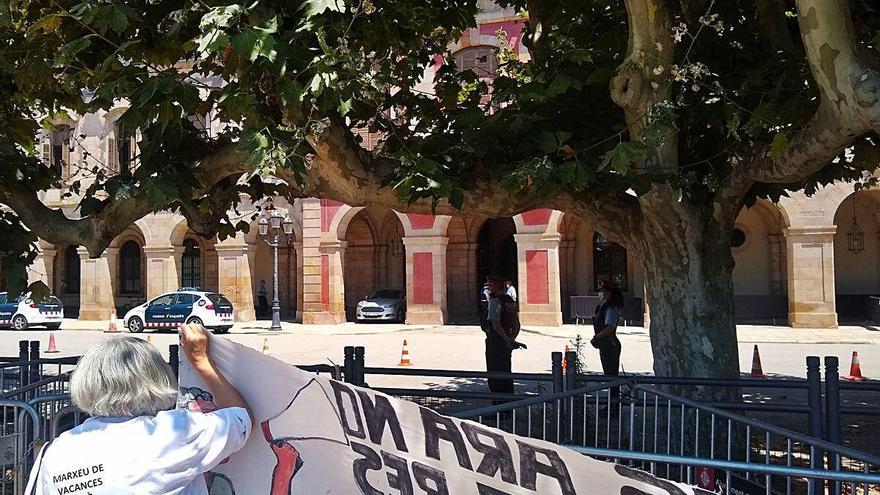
538	291
42	269
426	280
97	284
298	280
323	289
235	261
162	269
811	276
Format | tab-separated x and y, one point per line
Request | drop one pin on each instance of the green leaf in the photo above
220	17
69	51
291	92
253	44
344	106
779	145
39	291
315	7
623	155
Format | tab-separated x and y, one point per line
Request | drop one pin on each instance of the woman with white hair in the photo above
136	442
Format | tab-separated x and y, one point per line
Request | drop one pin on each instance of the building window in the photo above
130	268
56	151
121	151
71	270
609	263
737	237
479	59
191	264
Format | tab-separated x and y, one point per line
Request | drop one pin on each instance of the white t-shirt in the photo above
146	455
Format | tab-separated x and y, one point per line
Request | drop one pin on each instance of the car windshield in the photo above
385	294
219	299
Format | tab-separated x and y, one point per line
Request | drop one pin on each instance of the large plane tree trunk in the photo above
688	267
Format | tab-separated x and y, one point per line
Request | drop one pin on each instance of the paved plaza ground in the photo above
783	349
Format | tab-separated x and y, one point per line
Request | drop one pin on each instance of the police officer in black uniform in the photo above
605	328
502	328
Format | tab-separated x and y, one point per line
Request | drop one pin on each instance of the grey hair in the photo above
123	376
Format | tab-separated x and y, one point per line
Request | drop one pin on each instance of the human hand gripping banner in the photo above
316	436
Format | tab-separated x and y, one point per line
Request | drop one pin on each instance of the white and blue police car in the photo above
187	305
23	312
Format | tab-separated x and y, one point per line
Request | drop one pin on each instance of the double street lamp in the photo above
270	230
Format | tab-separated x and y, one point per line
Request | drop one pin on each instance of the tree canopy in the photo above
654	119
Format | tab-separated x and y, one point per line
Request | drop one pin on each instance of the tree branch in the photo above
849	92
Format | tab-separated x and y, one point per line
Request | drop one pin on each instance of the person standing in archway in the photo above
262	299
502	329
605	327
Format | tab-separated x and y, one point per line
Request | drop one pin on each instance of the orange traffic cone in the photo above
52	349
757	372
404	355
112	327
266	346
564	360
855	370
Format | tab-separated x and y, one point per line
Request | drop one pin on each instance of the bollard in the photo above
174	358
23	357
832	411
359	364
814	400
348	363
556	371
571	370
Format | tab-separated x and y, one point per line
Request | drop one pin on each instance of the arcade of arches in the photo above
805	261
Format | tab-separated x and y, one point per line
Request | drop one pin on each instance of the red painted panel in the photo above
329	207
419	221
512	28
325	280
423	278
537	283
537	217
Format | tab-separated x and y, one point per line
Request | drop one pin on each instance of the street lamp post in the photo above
271	230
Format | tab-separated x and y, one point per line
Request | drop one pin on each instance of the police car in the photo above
186	305
23	312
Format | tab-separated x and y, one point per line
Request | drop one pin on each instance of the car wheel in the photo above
135	325
19	322
53	326
195	321
401	318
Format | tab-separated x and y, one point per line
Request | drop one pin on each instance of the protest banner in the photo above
314	435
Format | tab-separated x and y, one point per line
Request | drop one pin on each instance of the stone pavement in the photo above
783	349
746	333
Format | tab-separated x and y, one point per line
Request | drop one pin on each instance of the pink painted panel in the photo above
513	29
329	207
423	278
419	221
537	283
325	280
537	217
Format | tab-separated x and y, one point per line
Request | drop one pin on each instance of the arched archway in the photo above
191	264
857	254
759	273
497	254
374	257
129	270
462	269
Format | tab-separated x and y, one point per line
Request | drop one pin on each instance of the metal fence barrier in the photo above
765	458
19	440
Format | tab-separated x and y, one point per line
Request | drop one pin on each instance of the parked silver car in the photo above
384	304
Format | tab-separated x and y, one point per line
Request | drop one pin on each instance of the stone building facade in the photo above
794	261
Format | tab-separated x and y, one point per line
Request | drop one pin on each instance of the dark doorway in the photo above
497	251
